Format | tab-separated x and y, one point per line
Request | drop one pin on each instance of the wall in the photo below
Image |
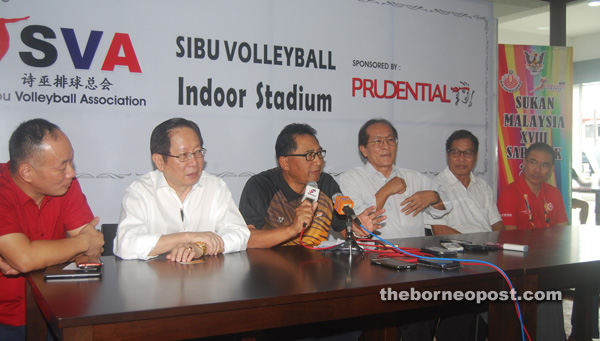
433	64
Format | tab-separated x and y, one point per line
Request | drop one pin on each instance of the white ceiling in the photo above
527	22
534	17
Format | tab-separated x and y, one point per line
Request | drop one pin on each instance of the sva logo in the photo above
81	61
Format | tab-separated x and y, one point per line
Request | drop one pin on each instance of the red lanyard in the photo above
546	216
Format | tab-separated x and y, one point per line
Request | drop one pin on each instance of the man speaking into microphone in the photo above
277	204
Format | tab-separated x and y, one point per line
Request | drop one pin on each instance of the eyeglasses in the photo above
310	156
535	164
378	142
185	157
469	153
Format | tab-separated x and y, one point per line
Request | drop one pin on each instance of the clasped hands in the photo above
207	243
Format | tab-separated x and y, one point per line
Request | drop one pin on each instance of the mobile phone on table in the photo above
440	264
471	247
393	263
87	263
439	251
479	248
452	246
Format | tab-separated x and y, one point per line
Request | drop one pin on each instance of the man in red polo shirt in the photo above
40	203
530	202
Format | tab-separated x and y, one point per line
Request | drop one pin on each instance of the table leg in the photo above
503	323
584	306
36	324
380	327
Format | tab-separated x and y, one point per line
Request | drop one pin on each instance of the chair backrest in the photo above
109	231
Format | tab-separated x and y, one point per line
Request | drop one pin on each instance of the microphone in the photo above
311	192
344	206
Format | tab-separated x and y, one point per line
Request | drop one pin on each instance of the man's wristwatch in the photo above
438	198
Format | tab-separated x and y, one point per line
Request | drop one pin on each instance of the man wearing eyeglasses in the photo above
404	193
530	202
474	208
178	208
407	197
271	201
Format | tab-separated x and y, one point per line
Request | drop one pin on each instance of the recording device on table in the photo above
439	251
468	246
451	246
507	246
439	264
393	263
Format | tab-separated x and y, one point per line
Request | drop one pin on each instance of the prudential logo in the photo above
4	37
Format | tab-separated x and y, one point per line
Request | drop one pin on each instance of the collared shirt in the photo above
268	202
473	208
151	209
20	214
362	183
519	207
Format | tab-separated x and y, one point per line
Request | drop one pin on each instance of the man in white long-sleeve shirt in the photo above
407	197
405	194
178	209
473	199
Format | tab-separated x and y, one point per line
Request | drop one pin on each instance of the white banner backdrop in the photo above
107	72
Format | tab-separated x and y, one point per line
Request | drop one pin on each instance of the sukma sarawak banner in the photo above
107	72
535	105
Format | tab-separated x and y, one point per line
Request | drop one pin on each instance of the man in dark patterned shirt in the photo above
271	202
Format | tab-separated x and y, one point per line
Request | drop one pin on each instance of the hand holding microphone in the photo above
306	210
311	192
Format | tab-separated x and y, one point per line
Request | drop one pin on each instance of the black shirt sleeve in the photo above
254	202
329	187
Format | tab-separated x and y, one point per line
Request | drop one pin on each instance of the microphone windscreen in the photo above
340	201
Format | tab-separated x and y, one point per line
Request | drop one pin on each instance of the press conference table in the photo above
268	288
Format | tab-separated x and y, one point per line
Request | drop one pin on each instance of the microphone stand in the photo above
350	242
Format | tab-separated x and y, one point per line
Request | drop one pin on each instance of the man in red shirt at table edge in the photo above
530	202
40	202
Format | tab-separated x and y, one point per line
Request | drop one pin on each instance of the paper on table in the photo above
71	266
195	261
